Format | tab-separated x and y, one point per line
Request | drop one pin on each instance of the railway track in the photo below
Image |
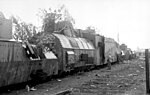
32	83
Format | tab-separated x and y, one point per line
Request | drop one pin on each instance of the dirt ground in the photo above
127	78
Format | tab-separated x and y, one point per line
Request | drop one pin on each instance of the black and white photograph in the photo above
74	47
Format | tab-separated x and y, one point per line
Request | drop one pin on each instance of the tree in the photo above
66	15
51	17
22	30
45	42
27	32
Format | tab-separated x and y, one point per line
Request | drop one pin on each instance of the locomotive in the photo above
21	62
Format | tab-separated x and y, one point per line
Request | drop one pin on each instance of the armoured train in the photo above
21	62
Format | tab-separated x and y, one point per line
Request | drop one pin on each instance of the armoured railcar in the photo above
73	52
21	62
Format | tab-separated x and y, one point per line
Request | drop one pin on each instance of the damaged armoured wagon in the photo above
73	52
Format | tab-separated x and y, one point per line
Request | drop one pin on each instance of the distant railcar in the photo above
112	49
103	46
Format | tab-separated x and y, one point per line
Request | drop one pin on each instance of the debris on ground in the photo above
58	80
33	89
30	88
97	75
65	92
115	82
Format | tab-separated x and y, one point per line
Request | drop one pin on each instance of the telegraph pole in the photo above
147	70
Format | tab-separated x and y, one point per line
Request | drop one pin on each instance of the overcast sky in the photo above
128	18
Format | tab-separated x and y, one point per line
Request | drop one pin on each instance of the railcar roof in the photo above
109	39
75	43
11	40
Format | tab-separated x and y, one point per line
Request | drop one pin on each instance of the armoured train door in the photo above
70	59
